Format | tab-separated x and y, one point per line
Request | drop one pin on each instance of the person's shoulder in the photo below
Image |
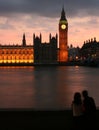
92	102
91	98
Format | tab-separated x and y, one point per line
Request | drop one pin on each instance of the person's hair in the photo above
85	93
77	98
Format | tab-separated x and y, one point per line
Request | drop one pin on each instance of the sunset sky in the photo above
42	16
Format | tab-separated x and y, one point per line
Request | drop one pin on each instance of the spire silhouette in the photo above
24	40
63	17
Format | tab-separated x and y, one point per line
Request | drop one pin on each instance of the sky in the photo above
42	16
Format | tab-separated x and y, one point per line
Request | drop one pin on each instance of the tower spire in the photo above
24	40
63	17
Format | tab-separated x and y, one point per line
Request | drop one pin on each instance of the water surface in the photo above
46	88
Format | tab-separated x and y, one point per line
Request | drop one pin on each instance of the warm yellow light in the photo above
13	61
63	55
63	26
1	61
9	61
16	55
5	61
76	57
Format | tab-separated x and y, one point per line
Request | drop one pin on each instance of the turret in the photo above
24	40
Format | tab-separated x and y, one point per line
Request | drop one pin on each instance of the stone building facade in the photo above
45	53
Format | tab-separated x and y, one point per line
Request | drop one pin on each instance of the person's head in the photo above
77	98
85	93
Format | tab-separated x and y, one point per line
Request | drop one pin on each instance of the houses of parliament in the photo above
39	53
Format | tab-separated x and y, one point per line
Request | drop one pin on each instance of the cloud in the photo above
5	24
35	16
49	8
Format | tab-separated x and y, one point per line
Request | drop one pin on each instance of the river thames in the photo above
46	88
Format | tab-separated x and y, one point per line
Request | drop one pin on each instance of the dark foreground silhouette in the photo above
30	119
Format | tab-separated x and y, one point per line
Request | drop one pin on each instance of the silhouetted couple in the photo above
84	111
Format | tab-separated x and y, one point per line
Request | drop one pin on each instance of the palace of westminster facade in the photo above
39	52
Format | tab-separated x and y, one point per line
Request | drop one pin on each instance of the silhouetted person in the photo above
89	110
77	110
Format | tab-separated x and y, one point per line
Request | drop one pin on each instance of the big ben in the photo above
63	38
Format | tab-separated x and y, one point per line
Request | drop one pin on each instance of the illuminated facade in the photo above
16	53
39	52
63	38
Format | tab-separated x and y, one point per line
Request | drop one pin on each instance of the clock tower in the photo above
63	38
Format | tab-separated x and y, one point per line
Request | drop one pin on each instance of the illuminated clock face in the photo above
63	26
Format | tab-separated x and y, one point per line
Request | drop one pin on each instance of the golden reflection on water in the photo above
45	87
16	88
16	67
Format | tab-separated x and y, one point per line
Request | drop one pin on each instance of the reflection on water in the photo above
45	87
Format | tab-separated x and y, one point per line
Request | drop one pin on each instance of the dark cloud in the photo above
49	8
